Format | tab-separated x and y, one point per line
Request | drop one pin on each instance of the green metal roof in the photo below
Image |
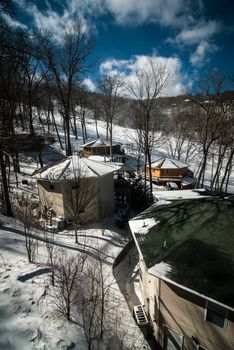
195	239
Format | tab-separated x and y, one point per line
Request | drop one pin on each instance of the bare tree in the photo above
51	253
145	88
78	192
25	214
181	143
94	301
68	274
213	113
67	62
96	108
11	78
82	111
111	88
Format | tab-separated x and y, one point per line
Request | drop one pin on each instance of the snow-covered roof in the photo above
99	143
73	167
176	194
190	242
106	158
168	163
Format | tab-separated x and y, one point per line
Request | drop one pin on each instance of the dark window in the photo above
51	187
81	211
216	314
75	186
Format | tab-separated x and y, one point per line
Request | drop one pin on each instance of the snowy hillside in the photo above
28	318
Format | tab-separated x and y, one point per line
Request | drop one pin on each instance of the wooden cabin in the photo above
101	147
165	170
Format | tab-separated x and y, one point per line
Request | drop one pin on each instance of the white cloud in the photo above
166	12
13	23
50	20
89	84
111	65
201	34
128	69
198	58
194	34
174	13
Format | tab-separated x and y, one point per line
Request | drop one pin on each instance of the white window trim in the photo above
175	331
199	345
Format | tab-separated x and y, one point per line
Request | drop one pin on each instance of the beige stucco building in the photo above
186	270
77	184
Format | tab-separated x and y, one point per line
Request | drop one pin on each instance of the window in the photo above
51	186
200	347
216	314
172	339
75	186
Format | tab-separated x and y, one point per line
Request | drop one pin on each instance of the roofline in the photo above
100	139
191	290
173	282
162	159
41	170
74	179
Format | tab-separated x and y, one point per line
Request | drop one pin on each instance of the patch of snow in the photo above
27	317
74	167
142	226
167	163
160	270
177	194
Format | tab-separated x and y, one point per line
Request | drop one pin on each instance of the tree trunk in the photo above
68	141
74	123
227	171
55	125
96	126
111	154
83	131
6	197
31	128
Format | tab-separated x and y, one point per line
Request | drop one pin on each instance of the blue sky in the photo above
189	36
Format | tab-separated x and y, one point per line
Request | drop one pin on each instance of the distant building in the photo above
186	268
166	170
100	147
59	184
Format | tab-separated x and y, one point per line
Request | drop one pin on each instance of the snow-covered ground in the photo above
27	320
27	316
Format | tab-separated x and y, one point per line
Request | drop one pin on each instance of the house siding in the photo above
105	195
87	151
184	313
167	172
98	203
89	204
51	198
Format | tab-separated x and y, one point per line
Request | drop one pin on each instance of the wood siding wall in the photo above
168	172
100	151
183	312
